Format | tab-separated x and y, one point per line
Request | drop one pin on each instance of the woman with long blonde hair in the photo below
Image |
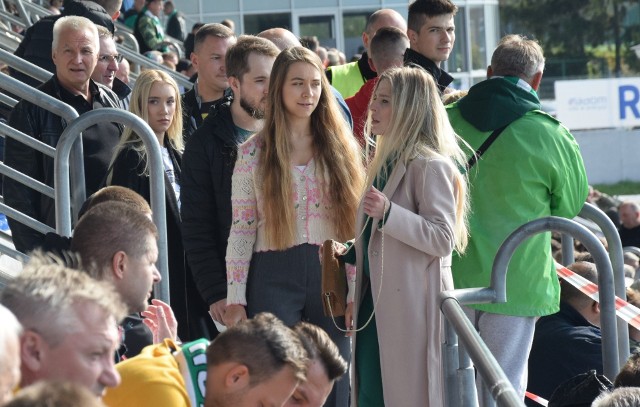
296	184
413	215
156	100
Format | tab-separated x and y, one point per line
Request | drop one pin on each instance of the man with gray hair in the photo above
534	169
70	324
9	354
75	55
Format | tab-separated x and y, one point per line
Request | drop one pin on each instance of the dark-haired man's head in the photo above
431	29
325	366
117	243
208	57
586	306
257	362
249	62
387	48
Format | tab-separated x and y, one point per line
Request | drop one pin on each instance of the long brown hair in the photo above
336	153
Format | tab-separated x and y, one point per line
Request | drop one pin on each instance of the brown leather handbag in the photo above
334	282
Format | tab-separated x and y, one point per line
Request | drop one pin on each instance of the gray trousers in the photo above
509	339
288	284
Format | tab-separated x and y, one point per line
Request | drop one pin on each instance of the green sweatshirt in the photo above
534	169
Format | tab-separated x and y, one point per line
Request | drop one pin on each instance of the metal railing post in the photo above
616	255
156	178
487	366
467	377
450	362
605	276
568	255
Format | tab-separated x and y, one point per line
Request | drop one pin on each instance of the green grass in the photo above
621	188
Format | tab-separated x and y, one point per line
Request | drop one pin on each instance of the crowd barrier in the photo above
459	373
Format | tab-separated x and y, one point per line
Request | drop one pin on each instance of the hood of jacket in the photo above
496	102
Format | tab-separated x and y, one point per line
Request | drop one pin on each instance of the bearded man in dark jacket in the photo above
207	167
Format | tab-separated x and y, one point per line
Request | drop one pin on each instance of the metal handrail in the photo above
487	366
631	249
605	276
27	140
25	219
129	41
156	178
22	12
616	255
143	61
450	305
68	114
7	100
34	11
11	18
25	67
26	180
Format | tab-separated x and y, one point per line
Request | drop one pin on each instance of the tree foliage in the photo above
573	29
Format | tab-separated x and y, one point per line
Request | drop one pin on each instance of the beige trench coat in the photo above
418	241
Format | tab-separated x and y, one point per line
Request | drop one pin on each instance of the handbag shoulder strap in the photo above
484	147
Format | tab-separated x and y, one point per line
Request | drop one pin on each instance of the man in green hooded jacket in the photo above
532	170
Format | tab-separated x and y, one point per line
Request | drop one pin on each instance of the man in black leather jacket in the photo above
207	167
75	55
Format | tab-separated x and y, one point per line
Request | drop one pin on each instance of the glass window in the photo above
457	61
321	27
256	23
478	37
353	25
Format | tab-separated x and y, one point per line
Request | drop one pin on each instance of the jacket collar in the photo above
121	89
365	68
399	169
442	78
94	88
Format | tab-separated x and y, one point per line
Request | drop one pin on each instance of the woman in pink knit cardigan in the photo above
296	184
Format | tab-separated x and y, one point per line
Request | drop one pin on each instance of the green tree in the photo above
569	29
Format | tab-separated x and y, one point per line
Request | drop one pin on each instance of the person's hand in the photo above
338	248
348	319
160	320
375	203
234	314
217	310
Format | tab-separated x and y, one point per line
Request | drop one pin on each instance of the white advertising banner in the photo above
598	103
